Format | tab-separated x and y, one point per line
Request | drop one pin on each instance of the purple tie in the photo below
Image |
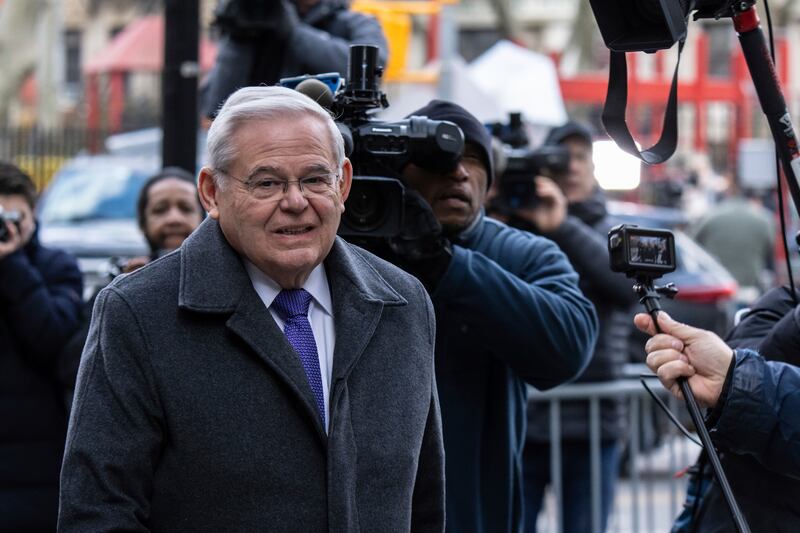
292	307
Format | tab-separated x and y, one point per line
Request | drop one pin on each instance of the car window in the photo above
92	193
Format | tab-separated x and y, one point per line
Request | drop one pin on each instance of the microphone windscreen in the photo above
317	91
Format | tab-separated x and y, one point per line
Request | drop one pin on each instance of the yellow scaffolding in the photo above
395	18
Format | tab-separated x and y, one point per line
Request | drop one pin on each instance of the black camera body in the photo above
516	186
641	252
650	25
13	217
380	150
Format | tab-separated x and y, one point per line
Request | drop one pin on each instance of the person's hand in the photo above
135	263
683	351
551	211
13	242
421	248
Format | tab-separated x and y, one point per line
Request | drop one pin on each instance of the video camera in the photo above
650	25
8	216
378	150
516	188
641	253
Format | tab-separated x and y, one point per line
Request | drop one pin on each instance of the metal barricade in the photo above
650	495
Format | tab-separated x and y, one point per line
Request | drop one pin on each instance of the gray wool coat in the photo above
193	413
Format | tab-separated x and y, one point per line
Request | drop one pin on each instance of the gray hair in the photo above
262	103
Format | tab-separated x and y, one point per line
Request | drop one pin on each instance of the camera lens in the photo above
365	208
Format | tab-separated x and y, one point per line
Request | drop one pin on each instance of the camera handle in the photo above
770	96
649	296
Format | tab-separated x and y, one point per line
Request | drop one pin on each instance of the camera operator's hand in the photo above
421	248
684	351
14	241
551	211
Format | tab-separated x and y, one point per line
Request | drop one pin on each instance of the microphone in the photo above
317	91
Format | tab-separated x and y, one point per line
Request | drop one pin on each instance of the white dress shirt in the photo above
320	315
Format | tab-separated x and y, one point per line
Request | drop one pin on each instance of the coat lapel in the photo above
213	280
359	295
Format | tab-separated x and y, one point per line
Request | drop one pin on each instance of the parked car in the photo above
89	210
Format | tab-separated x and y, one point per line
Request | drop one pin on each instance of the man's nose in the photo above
293	198
459	172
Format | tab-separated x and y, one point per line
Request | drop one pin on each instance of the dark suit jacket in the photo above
193	412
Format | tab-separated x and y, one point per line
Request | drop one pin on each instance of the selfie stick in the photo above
649	295
767	86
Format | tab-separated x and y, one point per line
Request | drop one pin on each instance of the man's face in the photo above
578	183
172	213
456	197
287	236
17	202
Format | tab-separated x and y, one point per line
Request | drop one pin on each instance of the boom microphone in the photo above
317	91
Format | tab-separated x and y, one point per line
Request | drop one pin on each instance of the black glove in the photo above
255	20
421	248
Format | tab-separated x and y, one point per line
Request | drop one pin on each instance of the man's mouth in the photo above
454	195
294	231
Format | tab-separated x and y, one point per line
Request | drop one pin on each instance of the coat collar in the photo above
213	280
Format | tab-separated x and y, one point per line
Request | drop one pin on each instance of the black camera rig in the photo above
379	150
6	217
516	188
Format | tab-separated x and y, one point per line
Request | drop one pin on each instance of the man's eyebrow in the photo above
314	168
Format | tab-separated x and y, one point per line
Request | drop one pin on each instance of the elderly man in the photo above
266	376
508	311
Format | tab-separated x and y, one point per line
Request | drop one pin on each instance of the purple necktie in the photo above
292	307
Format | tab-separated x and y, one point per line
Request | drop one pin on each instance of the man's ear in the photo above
347	179
207	189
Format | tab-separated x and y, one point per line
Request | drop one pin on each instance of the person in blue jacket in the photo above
40	306
508	312
755	403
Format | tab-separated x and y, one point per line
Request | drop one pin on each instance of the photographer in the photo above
508	311
263	42
571	211
40	303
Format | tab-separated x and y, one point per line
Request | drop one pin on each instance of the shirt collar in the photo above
316	285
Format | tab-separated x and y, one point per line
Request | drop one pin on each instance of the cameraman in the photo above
508	311
40	304
264	41
571	211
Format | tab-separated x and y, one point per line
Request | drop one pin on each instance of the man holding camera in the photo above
40	306
571	211
508	311
264	41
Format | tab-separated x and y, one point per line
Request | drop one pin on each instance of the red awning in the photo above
140	48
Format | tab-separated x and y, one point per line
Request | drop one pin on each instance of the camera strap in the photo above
617	102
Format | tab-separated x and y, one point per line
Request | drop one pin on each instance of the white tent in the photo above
405	98
519	80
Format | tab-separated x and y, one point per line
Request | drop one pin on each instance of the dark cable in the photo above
667	410
781	206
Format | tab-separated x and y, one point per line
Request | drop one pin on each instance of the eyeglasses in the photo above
268	187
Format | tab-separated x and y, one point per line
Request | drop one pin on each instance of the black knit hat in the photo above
474	131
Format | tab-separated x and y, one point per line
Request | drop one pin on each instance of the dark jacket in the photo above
508	312
40	302
758	424
193	412
320	43
583	238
